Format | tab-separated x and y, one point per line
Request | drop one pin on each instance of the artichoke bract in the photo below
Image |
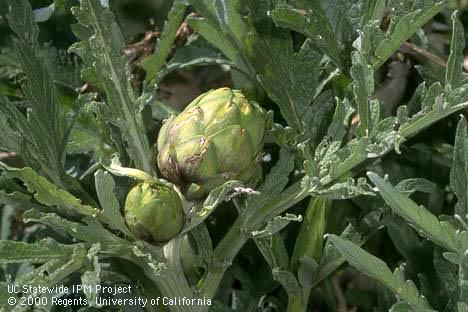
154	212
218	137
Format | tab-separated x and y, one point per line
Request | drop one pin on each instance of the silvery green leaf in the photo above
92	231
276	225
115	167
111	215
336	130
442	233
100	49
52	272
151	262
45	13
275	181
153	63
377	269
459	171
43	132
18	200
363	88
344	190
410	186
403	27
332	258
39	252
300	77
451	257
225	192
453	76
314	24
92	278
48	194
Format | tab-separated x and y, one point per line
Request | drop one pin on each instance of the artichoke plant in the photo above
153	211
218	137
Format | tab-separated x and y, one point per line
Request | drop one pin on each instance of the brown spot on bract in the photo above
193	159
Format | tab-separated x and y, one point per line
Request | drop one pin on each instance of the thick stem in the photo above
298	301
238	235
222	259
173	285
170	279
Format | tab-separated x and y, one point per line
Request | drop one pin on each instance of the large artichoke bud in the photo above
218	137
153	212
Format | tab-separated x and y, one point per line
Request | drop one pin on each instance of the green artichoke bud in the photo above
153	212
217	138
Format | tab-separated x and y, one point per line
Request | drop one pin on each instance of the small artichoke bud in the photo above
218	137
153	212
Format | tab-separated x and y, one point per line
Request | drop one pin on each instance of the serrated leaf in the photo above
344	190
275	181
298	74
276	225
459	171
403	27
357	151
48	194
92	278
105	187
336	130
100	49
53	271
153	63
331	258
225	192
314	24
92	231
453	75
39	252
363	88
377	269
442	233
48	138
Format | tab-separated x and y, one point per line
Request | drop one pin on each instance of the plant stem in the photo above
238	235
169	278
298	301
222	259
